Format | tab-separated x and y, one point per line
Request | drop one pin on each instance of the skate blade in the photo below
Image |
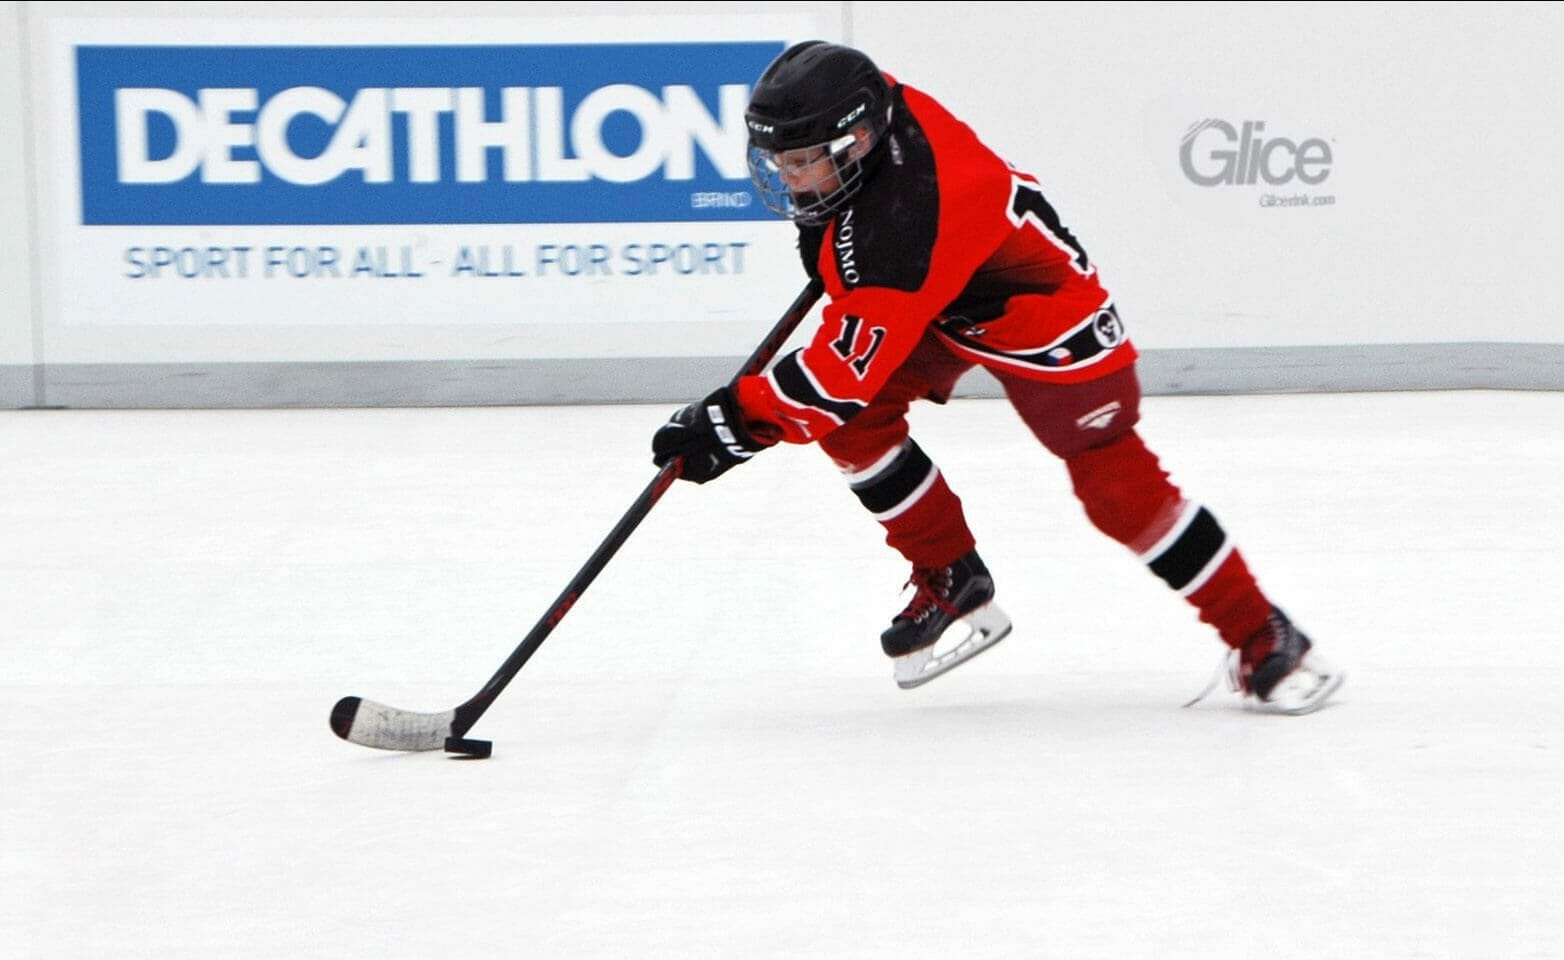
985	626
1306	689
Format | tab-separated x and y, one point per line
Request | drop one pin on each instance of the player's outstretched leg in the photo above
950	618
1128	496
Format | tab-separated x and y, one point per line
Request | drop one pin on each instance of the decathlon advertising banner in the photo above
564	173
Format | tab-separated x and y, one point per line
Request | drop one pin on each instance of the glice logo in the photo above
439	134
1214	154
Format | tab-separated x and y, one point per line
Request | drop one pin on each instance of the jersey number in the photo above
843	345
1028	205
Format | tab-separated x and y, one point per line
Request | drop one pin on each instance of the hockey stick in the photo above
371	724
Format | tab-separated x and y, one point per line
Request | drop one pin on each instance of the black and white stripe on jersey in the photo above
1190	552
795	384
1088	342
896	481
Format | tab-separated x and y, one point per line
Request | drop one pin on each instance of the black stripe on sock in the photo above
891	486
1183	560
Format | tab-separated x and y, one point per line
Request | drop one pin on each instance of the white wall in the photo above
1443	121
1429	265
16	256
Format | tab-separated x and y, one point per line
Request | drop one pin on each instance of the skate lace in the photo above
931	588
1232	662
1231	666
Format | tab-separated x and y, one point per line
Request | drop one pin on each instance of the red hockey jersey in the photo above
944	234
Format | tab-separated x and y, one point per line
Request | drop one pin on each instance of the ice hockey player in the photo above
937	256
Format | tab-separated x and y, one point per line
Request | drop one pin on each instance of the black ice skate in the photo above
957	600
1290	678
1280	670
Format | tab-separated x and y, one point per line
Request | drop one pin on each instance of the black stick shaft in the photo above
468	713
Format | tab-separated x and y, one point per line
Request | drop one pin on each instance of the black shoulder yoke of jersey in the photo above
886	238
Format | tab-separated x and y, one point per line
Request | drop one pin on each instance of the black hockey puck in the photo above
469	749
343	715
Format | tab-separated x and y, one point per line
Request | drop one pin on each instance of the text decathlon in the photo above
231	135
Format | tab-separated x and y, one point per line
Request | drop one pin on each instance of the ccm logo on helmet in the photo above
854	115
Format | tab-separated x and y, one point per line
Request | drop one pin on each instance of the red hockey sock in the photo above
922	516
933	531
1128	496
1231	601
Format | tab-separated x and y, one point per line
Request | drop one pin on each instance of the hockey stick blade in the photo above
372	724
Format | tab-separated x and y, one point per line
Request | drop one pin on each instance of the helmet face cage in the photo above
810	184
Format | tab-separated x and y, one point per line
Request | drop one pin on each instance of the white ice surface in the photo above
709	758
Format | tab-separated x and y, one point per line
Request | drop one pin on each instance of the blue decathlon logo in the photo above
557	133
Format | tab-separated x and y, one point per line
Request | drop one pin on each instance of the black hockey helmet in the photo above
816	118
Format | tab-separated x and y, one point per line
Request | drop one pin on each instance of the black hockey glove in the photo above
710	436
